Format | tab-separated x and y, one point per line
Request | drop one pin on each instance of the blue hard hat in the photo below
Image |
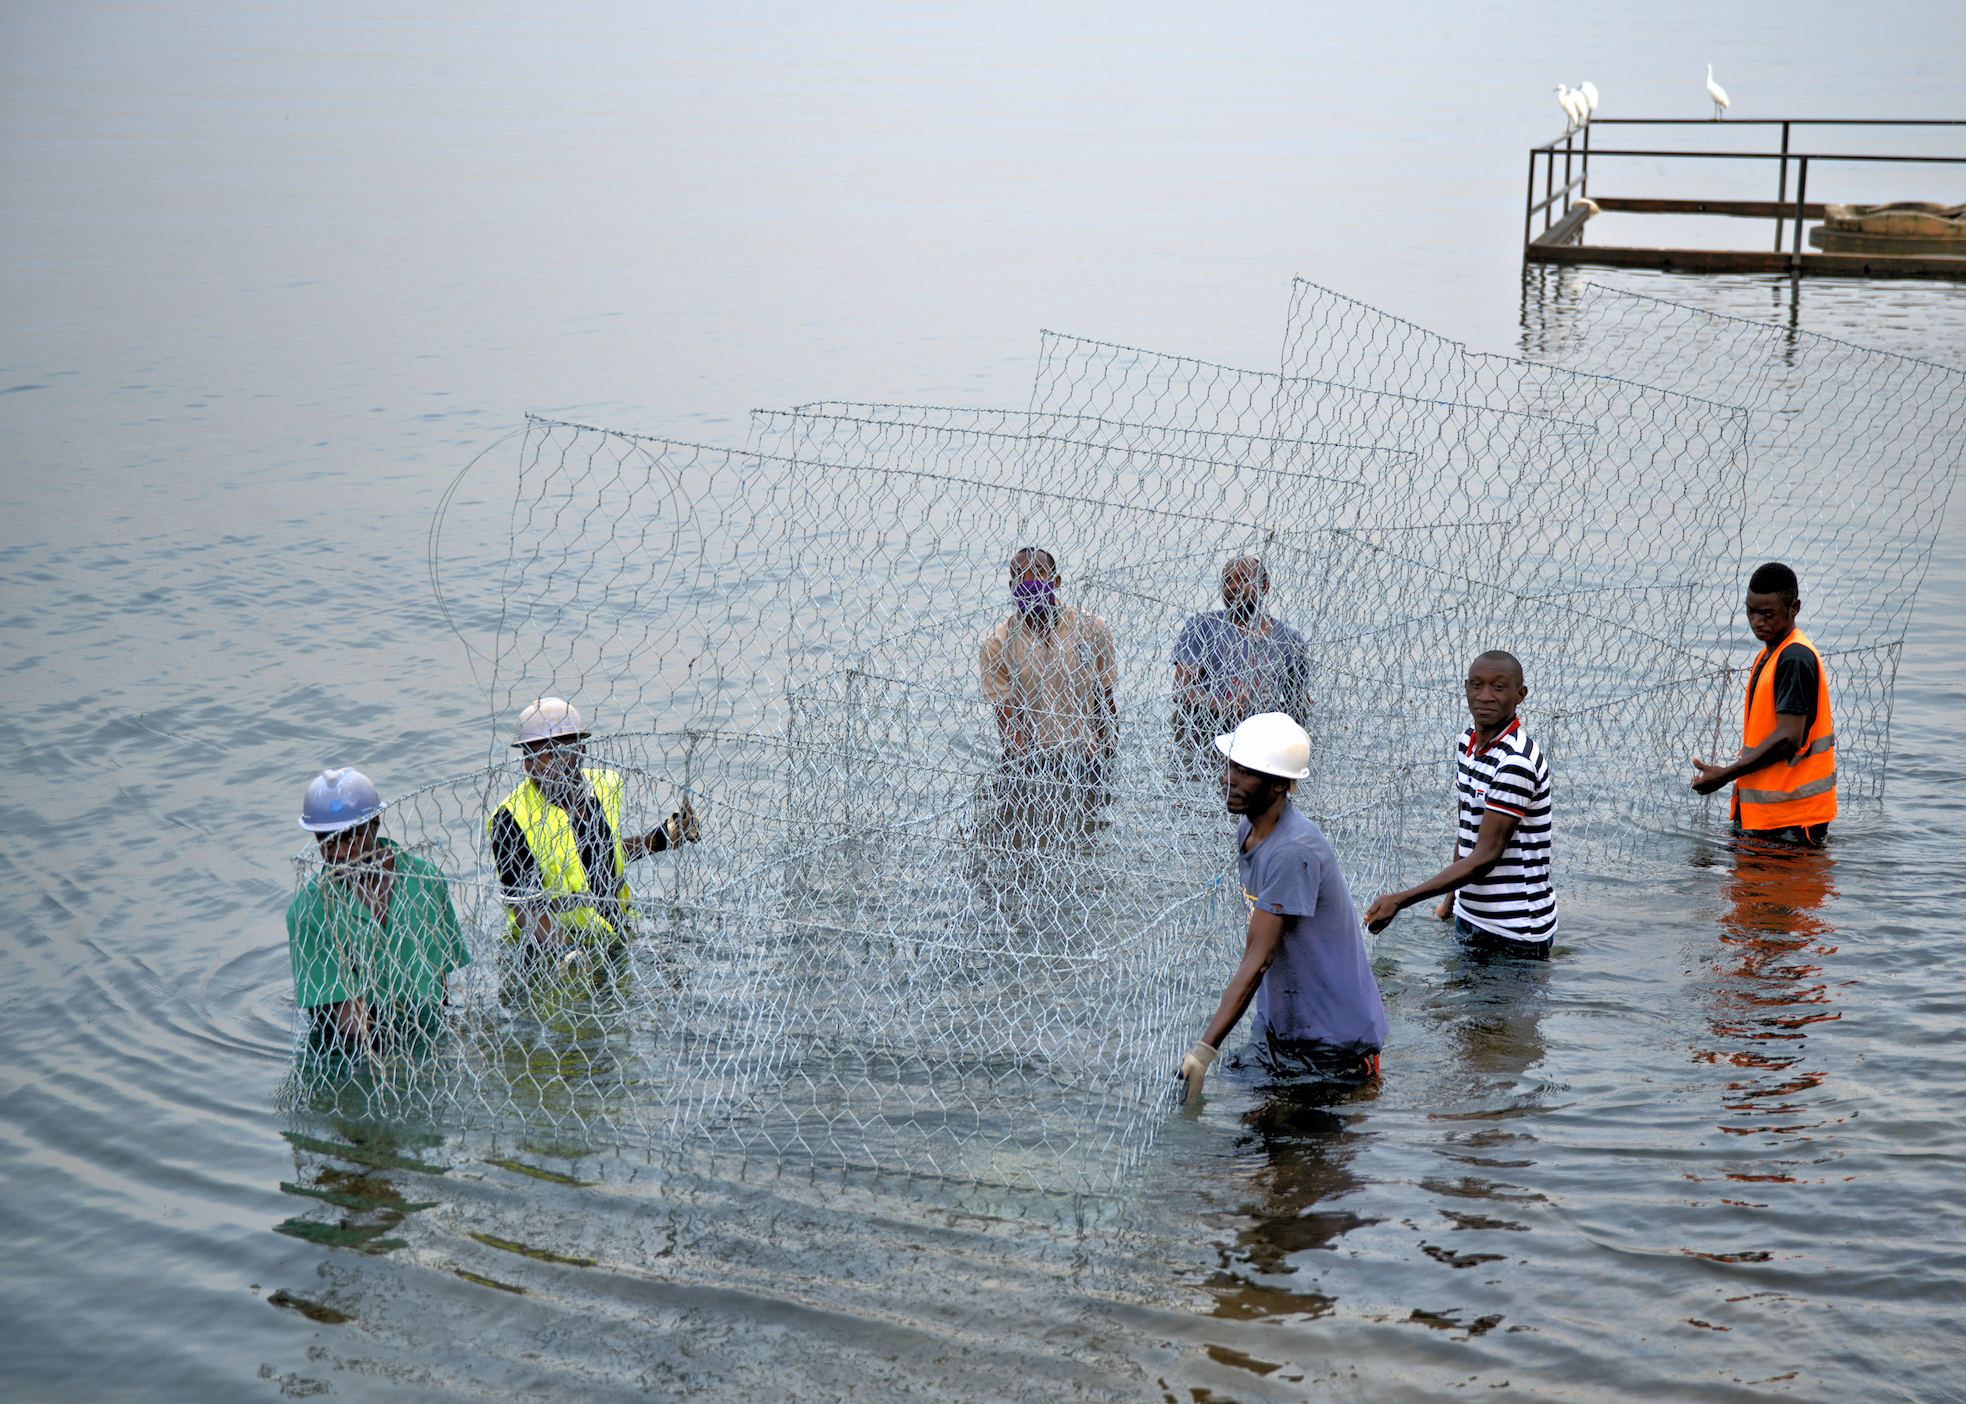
339	799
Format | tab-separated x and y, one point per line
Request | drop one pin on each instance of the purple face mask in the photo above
1033	595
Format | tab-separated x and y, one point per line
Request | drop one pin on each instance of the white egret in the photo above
1567	100
1717	93
1589	90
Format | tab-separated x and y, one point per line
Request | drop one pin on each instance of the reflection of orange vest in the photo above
1800	790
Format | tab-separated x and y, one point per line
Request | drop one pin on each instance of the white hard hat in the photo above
337	800
549	719
1270	742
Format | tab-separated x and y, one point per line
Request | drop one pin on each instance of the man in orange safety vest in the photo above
1785	775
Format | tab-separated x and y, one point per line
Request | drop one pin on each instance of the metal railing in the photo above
1575	148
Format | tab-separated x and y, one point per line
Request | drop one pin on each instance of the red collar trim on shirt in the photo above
1468	748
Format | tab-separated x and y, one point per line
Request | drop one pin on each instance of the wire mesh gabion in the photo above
890	951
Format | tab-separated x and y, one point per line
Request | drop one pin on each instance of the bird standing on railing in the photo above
1582	108
1572	105
1589	91
1717	93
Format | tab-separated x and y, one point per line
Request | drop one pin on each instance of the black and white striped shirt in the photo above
1513	900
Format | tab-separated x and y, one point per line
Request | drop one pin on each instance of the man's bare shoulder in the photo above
1077	619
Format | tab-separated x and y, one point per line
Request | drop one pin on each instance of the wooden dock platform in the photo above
1566	206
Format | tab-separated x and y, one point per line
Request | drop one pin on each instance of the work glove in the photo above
681	827
1194	1068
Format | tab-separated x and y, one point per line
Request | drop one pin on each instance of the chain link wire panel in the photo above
1580	522
896	952
634	1043
1854	454
1219	496
946	968
781	999
839	998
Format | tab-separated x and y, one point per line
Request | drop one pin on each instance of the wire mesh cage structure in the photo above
614	1043
899	947
1856	453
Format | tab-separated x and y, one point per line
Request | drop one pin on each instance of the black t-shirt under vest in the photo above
592	836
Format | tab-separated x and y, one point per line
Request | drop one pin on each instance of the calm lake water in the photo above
273	278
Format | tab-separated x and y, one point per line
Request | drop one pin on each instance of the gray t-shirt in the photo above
1320	986
1275	664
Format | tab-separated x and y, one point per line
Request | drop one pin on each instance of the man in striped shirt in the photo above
1498	885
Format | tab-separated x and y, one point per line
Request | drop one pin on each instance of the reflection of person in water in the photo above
1493	1005
1307	1151
1776	992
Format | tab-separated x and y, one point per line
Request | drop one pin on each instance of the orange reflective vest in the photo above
1801	790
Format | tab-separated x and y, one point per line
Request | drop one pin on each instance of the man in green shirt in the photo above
373	934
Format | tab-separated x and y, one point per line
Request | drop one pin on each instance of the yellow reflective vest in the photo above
1800	791
556	852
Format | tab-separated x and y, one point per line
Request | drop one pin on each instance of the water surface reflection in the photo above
1305	1137
1769	990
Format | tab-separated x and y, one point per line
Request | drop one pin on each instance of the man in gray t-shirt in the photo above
1234	662
1319	987
1304	958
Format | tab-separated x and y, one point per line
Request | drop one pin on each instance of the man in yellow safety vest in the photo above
562	859
1785	775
